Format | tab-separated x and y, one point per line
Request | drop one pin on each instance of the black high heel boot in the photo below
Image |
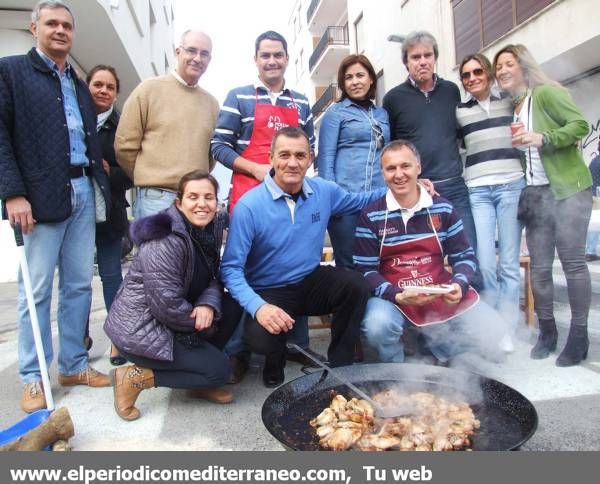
546	342
576	348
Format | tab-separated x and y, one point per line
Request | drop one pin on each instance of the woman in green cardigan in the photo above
556	205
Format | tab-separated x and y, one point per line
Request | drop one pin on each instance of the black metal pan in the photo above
508	419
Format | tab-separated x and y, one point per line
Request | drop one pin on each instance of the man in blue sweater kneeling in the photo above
272	258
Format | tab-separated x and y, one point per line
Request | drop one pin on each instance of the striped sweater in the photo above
369	232
236	120
487	138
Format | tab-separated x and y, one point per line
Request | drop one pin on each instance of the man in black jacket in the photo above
50	161
422	110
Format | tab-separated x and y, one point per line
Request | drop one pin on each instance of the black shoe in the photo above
273	373
576	348
546	342
298	357
117	360
239	366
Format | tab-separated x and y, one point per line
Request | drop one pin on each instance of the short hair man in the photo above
401	240
252	114
249	118
272	258
422	110
50	160
166	125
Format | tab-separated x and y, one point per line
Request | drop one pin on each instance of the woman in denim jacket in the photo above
352	134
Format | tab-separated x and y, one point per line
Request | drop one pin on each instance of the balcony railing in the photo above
332	36
329	95
311	10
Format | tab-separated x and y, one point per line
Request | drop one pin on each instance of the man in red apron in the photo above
401	243
249	118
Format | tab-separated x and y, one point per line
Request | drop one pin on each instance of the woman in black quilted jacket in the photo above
104	84
170	317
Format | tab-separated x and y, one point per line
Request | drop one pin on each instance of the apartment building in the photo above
563	35
135	36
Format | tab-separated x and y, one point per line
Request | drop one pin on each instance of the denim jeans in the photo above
562	225
70	246
150	200
591	242
341	233
108	252
495	206
479	329
456	192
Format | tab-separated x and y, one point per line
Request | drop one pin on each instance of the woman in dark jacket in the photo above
170	316
103	83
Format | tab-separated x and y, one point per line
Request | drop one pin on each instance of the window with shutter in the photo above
478	23
528	8
467	27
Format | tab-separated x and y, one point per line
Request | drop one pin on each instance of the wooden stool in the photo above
527	306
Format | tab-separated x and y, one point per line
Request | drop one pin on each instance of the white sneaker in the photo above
506	344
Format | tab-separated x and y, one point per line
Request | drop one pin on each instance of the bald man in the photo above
166	127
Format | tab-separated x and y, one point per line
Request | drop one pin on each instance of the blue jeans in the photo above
108	252
70	246
341	232
479	329
298	335
591	242
495	206
456	192
150	200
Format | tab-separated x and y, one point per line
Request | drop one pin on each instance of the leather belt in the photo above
79	171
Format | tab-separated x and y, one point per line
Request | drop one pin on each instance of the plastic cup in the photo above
515	128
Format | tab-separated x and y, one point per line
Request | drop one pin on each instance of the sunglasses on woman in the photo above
467	74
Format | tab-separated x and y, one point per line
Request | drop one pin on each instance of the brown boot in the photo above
215	395
128	382
33	397
88	376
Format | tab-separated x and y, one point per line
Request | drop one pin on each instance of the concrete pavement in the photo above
567	399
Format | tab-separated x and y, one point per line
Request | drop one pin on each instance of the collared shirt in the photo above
283	244
181	80
424	201
78	148
415	85
380	221
236	119
272	94
351	139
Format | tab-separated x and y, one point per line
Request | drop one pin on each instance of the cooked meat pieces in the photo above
428	422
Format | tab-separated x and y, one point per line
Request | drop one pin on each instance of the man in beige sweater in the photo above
166	126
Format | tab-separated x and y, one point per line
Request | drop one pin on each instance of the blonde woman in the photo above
557	202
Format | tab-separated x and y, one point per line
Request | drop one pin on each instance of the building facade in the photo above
563	35
134	36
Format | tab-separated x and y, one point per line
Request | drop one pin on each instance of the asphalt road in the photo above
567	399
